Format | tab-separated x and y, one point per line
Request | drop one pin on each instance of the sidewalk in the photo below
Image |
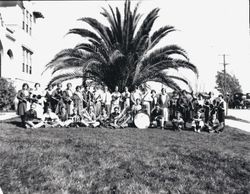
242	114
7	115
238	124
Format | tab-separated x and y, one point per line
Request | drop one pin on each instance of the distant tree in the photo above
7	94
232	84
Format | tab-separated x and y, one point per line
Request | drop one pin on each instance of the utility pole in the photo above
224	73
224	80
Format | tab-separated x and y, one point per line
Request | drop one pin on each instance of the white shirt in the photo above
106	98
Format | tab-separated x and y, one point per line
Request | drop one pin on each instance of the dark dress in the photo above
221	112
23	97
57	96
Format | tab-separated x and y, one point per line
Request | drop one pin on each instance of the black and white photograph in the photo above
125	96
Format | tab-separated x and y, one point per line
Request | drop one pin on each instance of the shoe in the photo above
162	128
27	126
198	131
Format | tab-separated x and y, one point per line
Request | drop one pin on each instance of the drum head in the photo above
142	121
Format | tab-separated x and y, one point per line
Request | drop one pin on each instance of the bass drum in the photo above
141	120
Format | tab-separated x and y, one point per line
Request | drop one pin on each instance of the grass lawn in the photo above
86	160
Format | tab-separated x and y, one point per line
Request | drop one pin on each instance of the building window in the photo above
27	21
27	61
23	27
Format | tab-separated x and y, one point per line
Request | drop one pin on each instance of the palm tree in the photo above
122	53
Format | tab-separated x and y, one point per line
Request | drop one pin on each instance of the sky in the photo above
206	29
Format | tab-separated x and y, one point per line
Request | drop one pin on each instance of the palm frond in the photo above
85	33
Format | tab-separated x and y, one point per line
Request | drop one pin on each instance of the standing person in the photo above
146	100
89	97
97	100
78	99
48	98
200	100
136	94
184	106
154	99
67	99
38	98
164	104
106	100
57	96
173	105
126	98
23	96
83	90
116	96
221	112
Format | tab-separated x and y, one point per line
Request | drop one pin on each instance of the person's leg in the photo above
38	125
85	123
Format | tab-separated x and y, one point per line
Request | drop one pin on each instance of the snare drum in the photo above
141	120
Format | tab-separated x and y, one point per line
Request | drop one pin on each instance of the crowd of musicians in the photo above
98	107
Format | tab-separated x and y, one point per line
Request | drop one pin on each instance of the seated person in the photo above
197	123
213	124
137	107
50	119
178	122
156	117
63	116
89	118
31	120
114	117
103	118
125	118
76	119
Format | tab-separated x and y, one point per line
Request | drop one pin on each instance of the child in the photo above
197	123
178	122
31	120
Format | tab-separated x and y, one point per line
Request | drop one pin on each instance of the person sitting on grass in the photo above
137	107
31	120
114	117
156	117
213	125
89	118
197	123
178	122
76	119
64	118
103	118
120	120
50	119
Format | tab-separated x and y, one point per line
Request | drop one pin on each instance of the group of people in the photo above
88	107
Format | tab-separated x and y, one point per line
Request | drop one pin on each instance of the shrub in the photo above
7	94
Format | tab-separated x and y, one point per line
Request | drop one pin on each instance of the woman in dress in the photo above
23	102
116	95
126	98
78	99
67	99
